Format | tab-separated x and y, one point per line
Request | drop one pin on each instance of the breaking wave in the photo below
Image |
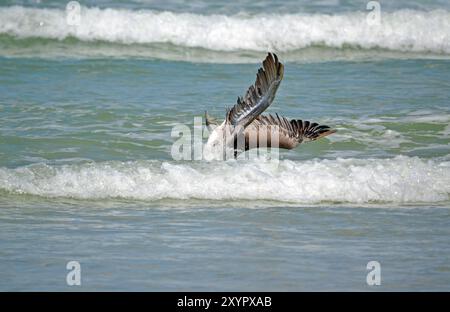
397	180
403	30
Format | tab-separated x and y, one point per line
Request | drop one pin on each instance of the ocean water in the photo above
86	171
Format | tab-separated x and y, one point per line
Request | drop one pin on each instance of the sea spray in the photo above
397	180
402	30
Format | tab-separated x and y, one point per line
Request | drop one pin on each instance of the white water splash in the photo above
398	180
404	30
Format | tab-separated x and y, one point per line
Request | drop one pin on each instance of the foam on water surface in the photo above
403	31
396	180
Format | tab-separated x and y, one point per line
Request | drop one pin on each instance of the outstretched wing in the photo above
260	95
290	132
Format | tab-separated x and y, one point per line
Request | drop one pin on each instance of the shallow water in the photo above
86	171
139	246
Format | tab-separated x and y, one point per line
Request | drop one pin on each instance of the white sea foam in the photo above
398	180
404	30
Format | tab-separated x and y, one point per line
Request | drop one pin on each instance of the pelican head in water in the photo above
245	124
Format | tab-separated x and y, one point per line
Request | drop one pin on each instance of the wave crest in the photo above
397	180
404	30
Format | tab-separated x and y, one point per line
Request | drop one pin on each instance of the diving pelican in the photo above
245	127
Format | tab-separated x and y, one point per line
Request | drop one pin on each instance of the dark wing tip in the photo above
310	131
273	58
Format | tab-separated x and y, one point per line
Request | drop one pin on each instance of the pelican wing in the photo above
260	95
290	132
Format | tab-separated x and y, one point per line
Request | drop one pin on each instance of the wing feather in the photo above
291	132
258	96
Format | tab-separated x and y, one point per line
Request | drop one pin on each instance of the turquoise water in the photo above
86	172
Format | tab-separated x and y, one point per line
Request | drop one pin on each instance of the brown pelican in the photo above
245	127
